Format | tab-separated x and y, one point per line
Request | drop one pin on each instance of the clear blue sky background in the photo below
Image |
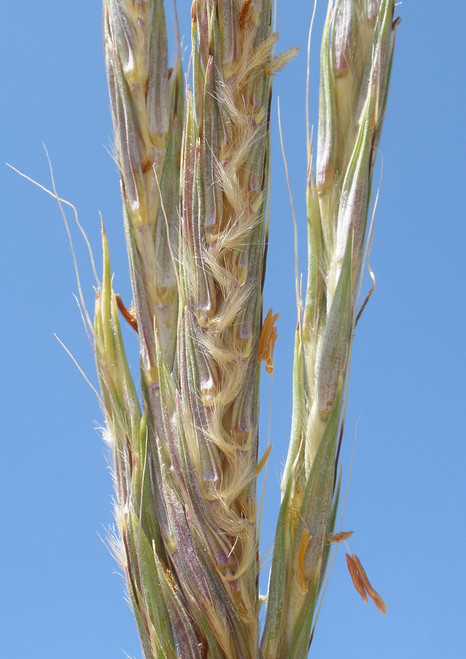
60	595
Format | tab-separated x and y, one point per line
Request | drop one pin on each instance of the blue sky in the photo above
60	594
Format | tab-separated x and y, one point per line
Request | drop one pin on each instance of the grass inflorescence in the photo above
194	162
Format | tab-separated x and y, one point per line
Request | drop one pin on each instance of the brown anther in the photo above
339	537
363	306
129	316
362	583
267	339
355	578
375	597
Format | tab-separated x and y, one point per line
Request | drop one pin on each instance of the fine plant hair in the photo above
194	161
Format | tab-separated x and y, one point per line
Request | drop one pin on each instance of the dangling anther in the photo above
267	340
362	583
263	459
342	536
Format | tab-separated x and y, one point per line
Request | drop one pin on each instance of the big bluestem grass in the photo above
194	167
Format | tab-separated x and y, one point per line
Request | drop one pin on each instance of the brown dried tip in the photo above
362	583
267	340
127	315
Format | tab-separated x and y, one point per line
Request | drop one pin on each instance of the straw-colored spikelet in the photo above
356	57
194	169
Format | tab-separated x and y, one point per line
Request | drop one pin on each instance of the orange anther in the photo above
264	459
129	316
300	575
362	583
267	340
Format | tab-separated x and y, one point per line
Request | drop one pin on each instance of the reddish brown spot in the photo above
146	164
